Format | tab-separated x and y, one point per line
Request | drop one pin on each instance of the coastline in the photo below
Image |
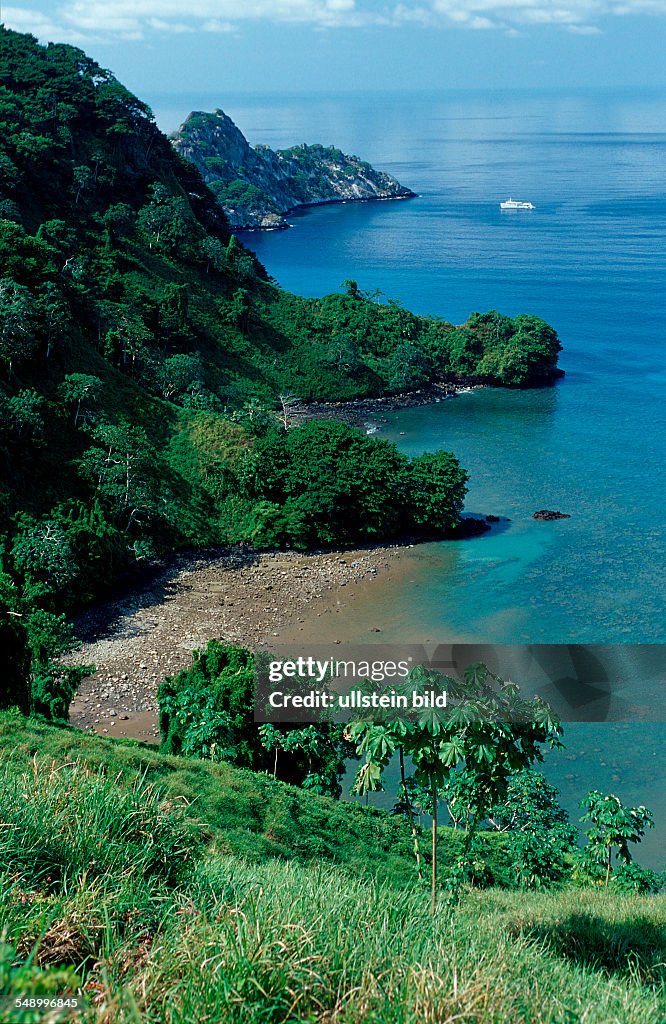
357	411
150	630
244	597
284	224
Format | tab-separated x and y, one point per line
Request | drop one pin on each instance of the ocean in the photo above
591	260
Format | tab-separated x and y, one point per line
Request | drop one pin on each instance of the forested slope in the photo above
144	352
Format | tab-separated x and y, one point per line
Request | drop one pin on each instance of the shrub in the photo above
207	710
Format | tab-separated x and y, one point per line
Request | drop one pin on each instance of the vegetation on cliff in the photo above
143	352
257	186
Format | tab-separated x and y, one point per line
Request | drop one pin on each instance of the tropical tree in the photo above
18	323
207	710
613	827
78	388
119	221
287	402
239	261
538	836
83	180
166	220
489	731
239	309
33	643
26	412
437	488
313	756
43	557
214	253
379	742
408	368
121	465
52	684
178	373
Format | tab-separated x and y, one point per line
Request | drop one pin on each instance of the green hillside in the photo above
148	368
167	890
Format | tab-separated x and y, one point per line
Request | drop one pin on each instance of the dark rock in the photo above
492	519
546	515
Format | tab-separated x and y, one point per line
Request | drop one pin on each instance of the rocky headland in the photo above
257	186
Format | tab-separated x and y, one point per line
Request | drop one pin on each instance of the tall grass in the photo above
274	943
87	867
108	888
247	814
60	821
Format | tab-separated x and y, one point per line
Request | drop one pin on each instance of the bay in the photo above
591	260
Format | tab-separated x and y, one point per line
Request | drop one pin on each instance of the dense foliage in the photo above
538	838
142	355
325	483
207	711
489	734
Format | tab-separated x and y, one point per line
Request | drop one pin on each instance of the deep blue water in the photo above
591	260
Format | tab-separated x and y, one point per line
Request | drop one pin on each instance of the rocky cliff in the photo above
257	186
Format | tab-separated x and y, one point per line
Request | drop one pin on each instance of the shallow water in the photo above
591	260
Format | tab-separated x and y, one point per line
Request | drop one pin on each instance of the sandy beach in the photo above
246	597
249	598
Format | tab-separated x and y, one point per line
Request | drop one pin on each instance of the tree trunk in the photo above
433	894
608	865
408	807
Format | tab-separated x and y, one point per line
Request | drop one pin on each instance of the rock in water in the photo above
547	514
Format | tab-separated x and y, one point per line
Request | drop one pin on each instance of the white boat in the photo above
515	204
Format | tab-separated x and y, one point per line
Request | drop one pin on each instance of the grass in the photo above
245	813
113	887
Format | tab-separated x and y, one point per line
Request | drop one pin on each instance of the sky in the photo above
161	48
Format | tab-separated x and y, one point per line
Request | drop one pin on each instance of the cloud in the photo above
24	19
177	27
581	16
78	20
215	25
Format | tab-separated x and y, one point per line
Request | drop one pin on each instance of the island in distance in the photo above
257	186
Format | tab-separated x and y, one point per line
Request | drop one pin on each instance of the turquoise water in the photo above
591	260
